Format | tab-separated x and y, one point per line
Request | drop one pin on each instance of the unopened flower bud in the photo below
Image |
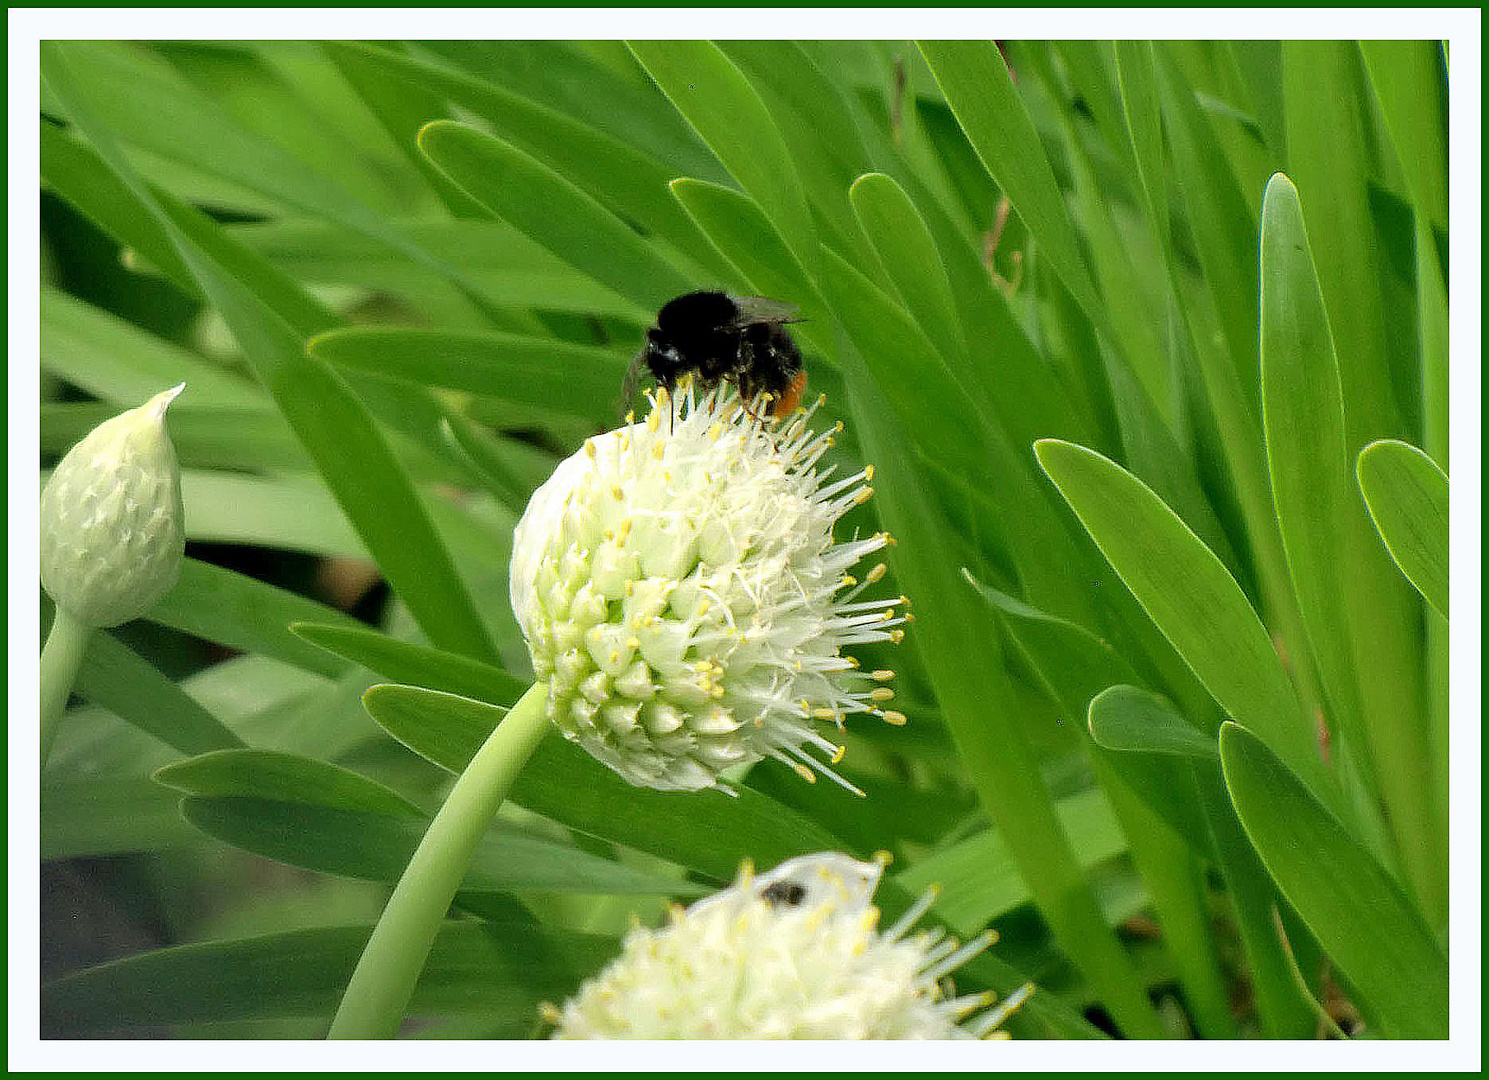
112	524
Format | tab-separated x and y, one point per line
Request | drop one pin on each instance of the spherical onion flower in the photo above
793	954
112	525
682	595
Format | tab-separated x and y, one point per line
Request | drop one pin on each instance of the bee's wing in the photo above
631	381
762	309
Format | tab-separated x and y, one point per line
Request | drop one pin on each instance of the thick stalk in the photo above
384	979
61	657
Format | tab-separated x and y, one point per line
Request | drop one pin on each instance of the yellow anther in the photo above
881	693
591	449
863	494
848	581
653	422
658	450
868	472
702	665
715	431
618	492
549	1012
896	635
877	572
894	717
837	755
822	712
630	417
884	858
882	675
804	772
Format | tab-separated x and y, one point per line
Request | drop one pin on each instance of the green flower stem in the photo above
383	982
61	657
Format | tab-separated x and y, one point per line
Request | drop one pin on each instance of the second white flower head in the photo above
681	592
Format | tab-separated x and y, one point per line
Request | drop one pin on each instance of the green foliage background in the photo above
1177	715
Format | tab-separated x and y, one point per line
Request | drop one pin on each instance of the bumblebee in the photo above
717	338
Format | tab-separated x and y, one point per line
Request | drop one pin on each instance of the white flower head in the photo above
681	593
792	954
112	525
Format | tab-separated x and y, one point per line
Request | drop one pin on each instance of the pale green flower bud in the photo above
682	595
793	954
112	525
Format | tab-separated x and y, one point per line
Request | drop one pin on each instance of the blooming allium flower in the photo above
112	526
681	594
793	954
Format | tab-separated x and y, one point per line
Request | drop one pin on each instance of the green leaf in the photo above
978	705
717	100
1076	666
1131	718
1408	499
128	685
1329	160
978	88
1410	82
351	453
518	188
213	437
241	612
629	182
979	879
165	115
1221	216
708	831
1189	594
584	379
322	817
1356	910
737	227
492	966
416	664
909	257
120	363
111	816
1303	418
280	777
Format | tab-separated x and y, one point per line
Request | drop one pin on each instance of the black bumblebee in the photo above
718	338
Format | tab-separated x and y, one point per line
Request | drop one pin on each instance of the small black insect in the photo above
718	338
784	892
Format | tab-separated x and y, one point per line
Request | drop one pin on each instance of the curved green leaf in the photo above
124	682
909	256
1131	718
976	83
1408	499
492	966
1303	419
1356	910
507	367
411	663
717	100
280	777
707	831
517	188
1189	594
236	610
